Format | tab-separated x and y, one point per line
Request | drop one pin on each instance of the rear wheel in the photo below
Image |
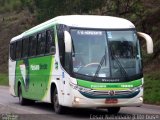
59	109
23	101
113	110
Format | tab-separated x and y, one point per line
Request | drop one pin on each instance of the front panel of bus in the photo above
107	67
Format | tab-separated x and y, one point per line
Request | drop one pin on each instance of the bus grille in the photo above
108	93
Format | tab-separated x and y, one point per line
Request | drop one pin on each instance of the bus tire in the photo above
22	100
113	110
59	109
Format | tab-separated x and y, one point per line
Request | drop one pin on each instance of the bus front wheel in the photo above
57	107
113	110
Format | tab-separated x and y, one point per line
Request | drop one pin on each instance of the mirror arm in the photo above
148	41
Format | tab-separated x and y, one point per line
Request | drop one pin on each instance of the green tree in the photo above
47	9
50	8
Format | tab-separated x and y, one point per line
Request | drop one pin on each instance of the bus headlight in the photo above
76	99
136	89
141	98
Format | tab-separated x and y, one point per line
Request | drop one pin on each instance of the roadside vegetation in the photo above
152	88
4	79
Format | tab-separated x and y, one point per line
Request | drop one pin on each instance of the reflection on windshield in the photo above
88	49
124	47
120	50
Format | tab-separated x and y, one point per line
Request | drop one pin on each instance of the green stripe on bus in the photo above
109	86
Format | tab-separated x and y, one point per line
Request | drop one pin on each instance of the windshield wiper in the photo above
123	71
100	65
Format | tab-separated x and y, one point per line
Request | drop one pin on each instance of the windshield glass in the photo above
105	54
125	53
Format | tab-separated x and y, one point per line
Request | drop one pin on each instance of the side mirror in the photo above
149	41
67	41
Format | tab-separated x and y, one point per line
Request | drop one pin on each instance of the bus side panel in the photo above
40	73
34	75
12	67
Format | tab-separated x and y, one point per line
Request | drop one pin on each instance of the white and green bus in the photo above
80	61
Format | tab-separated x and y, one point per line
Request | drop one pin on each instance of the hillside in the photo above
151	26
19	15
12	24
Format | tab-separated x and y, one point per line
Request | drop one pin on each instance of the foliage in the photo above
152	88
3	79
28	4
47	9
10	5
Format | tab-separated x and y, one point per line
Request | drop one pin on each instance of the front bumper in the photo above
81	101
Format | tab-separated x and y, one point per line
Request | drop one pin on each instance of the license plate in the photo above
109	101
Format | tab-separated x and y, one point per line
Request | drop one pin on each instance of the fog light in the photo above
141	98
76	99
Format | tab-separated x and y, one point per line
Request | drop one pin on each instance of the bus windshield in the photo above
106	54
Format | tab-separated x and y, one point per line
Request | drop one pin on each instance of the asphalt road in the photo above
9	107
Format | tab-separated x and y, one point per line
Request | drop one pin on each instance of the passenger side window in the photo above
18	49
50	43
41	43
32	45
25	47
13	51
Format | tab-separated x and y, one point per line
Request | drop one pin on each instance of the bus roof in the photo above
82	21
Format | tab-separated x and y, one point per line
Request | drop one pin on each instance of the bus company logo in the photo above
98	86
56	65
38	67
89	32
111	93
110	80
35	67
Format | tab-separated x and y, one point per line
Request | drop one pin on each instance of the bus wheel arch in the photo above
59	109
53	87
22	100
